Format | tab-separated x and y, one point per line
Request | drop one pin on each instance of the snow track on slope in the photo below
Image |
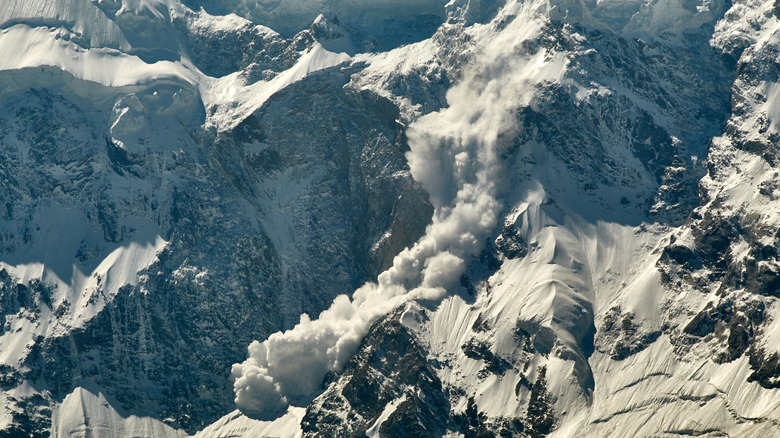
455	154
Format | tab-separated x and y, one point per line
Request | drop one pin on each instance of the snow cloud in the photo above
455	154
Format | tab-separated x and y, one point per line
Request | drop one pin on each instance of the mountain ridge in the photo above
557	213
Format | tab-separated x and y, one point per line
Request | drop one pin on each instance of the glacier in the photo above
405	210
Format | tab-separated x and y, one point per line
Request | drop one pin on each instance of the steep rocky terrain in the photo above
464	218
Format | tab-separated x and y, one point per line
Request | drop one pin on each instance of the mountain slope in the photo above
512	218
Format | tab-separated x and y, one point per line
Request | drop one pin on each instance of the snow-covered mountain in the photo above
228	218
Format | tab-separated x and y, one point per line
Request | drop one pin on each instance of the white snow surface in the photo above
6	417
575	268
373	431
22	46
82	20
649	20
237	425
228	100
87	413
84	414
455	154
85	294
225	23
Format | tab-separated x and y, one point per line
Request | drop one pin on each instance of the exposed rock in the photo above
620	336
389	372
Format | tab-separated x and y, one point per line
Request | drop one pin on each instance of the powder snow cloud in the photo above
455	154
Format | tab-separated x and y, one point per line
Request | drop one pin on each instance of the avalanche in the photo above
467	191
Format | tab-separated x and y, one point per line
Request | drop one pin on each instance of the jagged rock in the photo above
178	182
620	336
389	372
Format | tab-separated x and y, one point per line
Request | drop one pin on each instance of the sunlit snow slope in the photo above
464	218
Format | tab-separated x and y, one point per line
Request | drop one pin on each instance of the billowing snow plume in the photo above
455	154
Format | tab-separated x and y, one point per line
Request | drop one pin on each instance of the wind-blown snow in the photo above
455	154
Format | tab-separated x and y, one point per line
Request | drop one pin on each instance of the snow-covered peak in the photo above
86	24
26	47
104	420
522	178
229	100
670	20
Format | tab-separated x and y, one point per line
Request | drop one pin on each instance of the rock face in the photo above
388	388
180	178
142	254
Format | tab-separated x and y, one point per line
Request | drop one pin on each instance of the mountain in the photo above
325	218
